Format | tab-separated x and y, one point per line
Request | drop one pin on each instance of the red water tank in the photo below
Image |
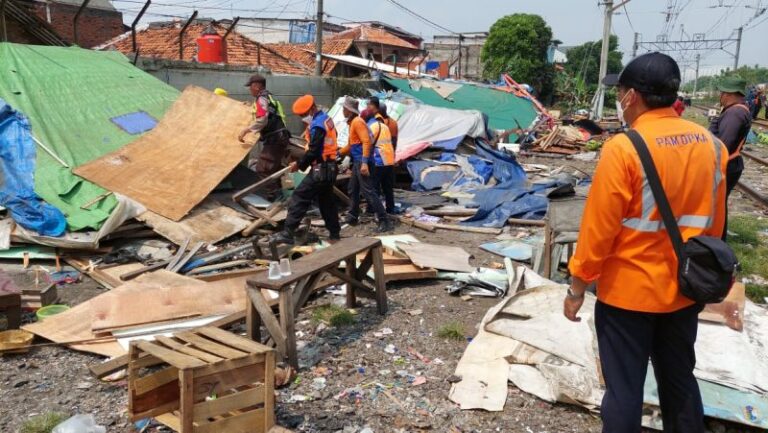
211	48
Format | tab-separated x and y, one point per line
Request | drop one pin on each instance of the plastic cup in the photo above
274	271
285	267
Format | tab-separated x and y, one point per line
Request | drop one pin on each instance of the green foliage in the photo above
333	315
517	45
753	75
451	331
571	93
584	61
43	423
749	243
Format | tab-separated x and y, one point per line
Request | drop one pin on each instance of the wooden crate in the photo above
203	381
40	296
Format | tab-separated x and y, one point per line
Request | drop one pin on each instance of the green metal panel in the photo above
70	94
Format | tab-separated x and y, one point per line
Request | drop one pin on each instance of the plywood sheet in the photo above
729	312
441	257
173	167
210	222
107	277
162	296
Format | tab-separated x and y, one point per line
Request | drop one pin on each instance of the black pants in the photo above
359	184
731	179
302	199
626	340
384	177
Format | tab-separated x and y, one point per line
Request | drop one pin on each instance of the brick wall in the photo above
17	33
95	27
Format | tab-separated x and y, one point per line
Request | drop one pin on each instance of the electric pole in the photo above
634	46
599	99
319	39
696	77
738	48
458	71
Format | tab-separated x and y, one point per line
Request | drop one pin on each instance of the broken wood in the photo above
179	254
276	175
470	229
417	224
187	257
274	210
97	199
133	274
219	266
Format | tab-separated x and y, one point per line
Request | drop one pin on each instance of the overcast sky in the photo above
572	21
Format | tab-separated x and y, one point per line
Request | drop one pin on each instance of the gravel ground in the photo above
384	374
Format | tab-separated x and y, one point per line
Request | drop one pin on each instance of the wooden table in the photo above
294	290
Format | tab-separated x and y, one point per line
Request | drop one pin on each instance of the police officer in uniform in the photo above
268	119
320	156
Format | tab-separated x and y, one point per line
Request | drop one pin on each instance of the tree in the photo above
584	60
753	75
517	45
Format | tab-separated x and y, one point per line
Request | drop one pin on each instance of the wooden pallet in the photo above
208	381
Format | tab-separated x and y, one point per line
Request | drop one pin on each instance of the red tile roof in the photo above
162	41
305	53
365	33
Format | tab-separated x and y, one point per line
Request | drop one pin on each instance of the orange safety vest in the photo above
383	150
330	146
622	243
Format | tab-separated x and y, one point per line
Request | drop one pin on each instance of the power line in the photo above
192	6
420	17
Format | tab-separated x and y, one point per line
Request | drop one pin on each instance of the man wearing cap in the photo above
623	247
732	127
268	119
320	157
362	180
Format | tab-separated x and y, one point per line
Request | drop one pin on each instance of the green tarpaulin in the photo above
70	95
502	108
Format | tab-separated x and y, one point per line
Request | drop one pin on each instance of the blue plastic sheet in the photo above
506	169
450	144
135	123
506	200
17	190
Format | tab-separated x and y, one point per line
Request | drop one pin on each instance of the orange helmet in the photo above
303	105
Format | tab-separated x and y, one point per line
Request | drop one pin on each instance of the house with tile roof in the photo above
161	41
378	44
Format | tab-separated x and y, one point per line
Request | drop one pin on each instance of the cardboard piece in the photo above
729	312
441	257
173	167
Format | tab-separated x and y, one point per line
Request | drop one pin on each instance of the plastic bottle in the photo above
79	424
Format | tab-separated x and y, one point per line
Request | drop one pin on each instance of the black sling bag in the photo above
706	265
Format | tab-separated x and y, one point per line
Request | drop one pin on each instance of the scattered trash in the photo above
390	348
420	380
79	424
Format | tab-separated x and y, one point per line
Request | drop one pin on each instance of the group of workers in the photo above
625	252
370	149
757	98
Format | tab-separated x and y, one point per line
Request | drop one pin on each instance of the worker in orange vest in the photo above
320	157
732	127
623	247
362	180
384	159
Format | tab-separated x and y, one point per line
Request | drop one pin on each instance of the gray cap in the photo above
351	104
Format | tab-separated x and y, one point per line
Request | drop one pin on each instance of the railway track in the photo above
751	192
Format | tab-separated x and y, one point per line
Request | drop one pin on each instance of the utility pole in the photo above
319	39
458	71
738	48
696	77
634	46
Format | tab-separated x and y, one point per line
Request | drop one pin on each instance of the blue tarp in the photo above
509	200
506	169
17	187
430	180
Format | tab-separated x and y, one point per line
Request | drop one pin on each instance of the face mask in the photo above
620	109
307	119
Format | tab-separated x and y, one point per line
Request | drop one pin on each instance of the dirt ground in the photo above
380	374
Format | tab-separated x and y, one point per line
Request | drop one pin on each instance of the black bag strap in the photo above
662	203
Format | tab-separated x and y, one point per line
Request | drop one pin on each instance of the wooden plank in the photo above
209	222
145	384
351	271
179	254
316	261
173	167
407	272
231	364
269	390
469	229
187	401
302	293
288	325
219	383
232	340
268	318
153	410
209	346
169	420
228	403
171	296
381	284
107	277
179	347
176	359
247	422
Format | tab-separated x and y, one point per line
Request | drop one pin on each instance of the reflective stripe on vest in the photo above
646	224
330	145
383	151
